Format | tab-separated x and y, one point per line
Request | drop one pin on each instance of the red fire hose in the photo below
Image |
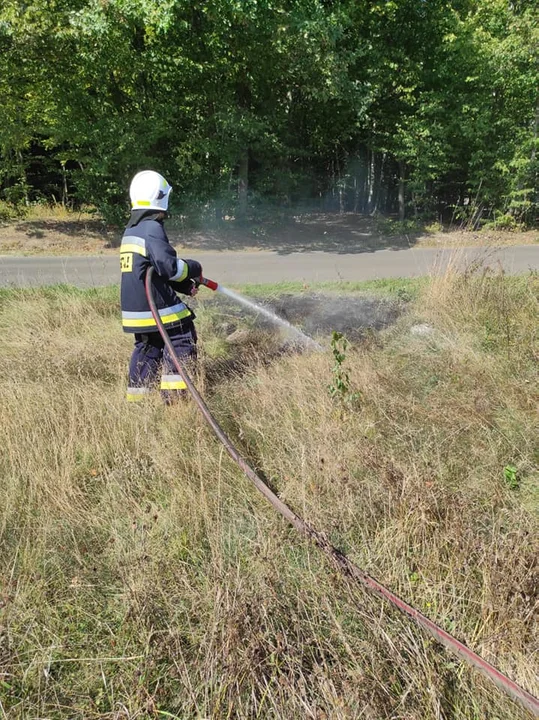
346	566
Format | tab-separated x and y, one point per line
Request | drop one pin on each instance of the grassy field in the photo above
142	576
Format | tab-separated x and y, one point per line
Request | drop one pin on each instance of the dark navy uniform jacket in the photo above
144	244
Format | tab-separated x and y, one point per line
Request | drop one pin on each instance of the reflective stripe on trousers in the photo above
172	382
137	394
151	358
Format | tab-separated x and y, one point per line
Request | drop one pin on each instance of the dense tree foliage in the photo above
424	107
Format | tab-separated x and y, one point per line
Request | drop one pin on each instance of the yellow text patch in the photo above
126	262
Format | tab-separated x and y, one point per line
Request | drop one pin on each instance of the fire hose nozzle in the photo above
211	284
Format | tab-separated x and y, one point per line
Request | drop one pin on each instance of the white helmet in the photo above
149	191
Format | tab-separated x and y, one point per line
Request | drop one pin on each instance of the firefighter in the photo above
145	243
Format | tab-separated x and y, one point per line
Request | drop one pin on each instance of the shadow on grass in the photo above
312	232
334	233
72	228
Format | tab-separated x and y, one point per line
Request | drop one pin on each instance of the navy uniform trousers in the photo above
151	359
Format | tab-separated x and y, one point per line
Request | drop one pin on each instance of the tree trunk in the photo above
243	184
22	176
402	170
370	181
535	130
379	170
359	184
64	184
341	189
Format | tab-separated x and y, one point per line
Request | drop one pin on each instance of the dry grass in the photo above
56	230
483	238
141	576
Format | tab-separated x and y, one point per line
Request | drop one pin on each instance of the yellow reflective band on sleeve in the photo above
172	382
141	203
127	247
184	271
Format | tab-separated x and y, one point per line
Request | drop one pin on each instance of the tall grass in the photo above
141	576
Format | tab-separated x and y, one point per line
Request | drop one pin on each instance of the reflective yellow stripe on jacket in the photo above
131	243
145	319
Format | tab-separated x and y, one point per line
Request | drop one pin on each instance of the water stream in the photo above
299	336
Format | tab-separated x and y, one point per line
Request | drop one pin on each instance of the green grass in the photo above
107	294
394	287
142	576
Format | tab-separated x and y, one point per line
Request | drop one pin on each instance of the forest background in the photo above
407	108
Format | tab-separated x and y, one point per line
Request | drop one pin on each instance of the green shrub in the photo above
393	228
10	211
503	222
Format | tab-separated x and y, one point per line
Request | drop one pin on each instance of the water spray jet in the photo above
300	336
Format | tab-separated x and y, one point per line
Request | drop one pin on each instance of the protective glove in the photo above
194	289
189	286
194	269
186	287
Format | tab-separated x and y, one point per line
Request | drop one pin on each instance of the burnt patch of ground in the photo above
255	348
252	340
316	314
320	314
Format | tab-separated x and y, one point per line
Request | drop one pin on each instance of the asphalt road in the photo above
272	267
